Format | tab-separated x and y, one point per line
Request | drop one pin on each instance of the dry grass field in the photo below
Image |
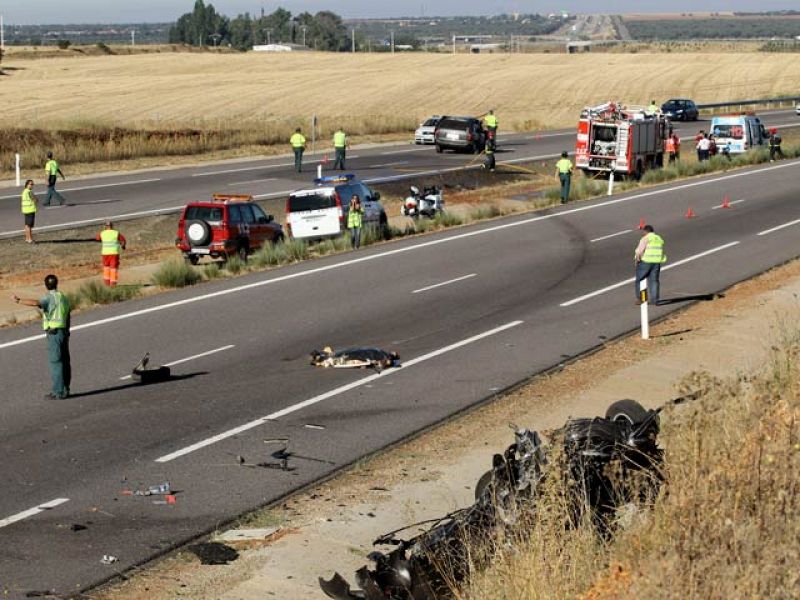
234	90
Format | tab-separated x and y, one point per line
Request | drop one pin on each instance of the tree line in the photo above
204	26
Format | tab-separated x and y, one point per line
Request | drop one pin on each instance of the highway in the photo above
91	200
471	311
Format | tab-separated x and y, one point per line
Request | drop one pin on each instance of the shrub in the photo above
296	250
234	265
212	271
93	292
175	273
485	212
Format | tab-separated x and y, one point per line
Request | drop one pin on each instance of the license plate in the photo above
452	136
201	251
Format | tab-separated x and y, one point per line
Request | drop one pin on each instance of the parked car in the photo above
224	226
738	133
680	109
321	211
425	132
460	133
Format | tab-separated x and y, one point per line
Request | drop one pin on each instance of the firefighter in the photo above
677	141
112	242
298	142
340	147
774	144
55	321
669	148
564	174
489	164
648	257
490	120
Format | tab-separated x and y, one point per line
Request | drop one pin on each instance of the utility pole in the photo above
354	39
2	35
133	37
392	42
269	36
303	28
454	43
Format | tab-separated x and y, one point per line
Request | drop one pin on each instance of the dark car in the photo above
680	109
224	226
460	133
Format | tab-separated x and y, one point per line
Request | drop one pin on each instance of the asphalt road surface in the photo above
471	311
91	200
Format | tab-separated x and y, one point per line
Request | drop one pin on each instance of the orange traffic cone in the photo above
642	223
726	202
690	213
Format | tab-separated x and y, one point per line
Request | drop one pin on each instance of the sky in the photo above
26	12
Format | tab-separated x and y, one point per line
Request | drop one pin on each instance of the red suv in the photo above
224	226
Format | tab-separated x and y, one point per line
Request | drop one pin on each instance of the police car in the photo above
321	212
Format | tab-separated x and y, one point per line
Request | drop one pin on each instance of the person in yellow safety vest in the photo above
491	121
55	322
52	171
112	242
652	109
649	256
564	174
298	142
29	201
340	146
355	219
670	149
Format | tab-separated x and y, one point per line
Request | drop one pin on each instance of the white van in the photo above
739	133
321	212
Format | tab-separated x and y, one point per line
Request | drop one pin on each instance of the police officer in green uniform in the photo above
28	204
55	322
298	142
564	174
52	171
340	146
649	256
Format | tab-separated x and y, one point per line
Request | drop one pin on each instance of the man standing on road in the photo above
52	171
564	174
29	201
774	144
703	148
55	321
112	242
649	257
298	142
340	147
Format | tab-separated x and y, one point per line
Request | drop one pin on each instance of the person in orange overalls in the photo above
112	243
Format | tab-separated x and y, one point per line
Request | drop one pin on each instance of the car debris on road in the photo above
142	374
355	358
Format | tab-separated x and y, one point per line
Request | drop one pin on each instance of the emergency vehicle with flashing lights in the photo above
738	133
226	225
625	140
321	212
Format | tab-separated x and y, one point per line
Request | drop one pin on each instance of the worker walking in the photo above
52	171
298	142
775	144
113	242
355	219
564	174
55	321
29	202
340	146
649	256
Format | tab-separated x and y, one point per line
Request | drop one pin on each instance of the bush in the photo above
97	293
175	273
63	44
212	271
296	250
234	265
485	212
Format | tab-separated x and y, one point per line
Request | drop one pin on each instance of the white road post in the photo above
611	183
319	171
16	157
643	308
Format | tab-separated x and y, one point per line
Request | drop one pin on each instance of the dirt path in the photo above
331	526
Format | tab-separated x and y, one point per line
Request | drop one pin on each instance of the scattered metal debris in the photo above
142	374
600	456
214	553
108	559
355	358
78	527
162	489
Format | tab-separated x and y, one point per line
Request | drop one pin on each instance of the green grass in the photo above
175	273
234	265
93	292
212	271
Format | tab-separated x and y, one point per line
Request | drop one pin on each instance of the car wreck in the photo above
599	459
355	358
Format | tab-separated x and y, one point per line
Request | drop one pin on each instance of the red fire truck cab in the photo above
619	139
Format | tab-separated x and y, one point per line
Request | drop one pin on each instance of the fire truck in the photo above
620	139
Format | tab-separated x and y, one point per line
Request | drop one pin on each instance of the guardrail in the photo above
790	100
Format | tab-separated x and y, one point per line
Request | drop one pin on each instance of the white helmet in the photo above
414	190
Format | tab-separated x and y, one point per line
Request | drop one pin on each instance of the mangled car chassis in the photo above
603	462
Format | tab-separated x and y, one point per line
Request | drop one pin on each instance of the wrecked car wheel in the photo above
627	409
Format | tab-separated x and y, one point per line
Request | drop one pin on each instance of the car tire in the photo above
439	149
279	239
198	233
629	410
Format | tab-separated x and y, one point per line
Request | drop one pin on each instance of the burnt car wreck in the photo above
355	358
602	461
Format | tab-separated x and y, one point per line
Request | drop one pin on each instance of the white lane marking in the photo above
56	207
630	280
94	187
332	393
97	201
32	511
391	164
421	148
252	181
611	235
437	285
143	213
729	203
410	248
188	358
779	227
207	174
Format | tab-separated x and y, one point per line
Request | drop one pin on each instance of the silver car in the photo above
463	134
424	133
